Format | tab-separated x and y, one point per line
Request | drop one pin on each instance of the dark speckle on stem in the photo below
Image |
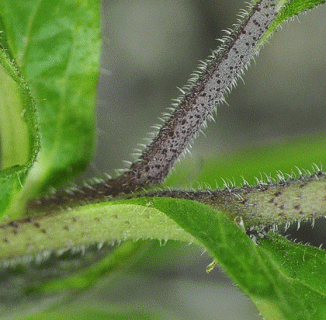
207	88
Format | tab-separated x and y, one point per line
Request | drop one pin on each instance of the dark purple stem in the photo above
204	91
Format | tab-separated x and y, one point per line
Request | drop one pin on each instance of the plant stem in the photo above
205	90
267	204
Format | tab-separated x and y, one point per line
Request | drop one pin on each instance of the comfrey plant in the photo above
49	70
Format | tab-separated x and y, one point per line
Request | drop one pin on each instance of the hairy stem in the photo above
267	204
205	90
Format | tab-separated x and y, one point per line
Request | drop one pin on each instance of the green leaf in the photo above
289	9
18	131
276	294
300	262
57	47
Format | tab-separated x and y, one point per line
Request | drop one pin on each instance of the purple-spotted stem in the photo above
206	88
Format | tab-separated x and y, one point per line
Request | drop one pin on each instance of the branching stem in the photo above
205	90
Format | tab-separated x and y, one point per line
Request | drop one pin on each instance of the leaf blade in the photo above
289	9
253	269
18	129
57	45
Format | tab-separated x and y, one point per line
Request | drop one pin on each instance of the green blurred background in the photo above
150	48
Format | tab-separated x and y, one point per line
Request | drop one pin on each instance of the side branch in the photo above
205	90
267	204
